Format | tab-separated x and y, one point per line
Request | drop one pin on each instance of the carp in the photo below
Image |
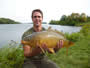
49	37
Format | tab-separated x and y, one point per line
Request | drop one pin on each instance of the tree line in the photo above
73	19
8	21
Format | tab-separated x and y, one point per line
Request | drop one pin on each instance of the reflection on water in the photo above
14	32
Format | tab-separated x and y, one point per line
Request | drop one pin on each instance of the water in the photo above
13	32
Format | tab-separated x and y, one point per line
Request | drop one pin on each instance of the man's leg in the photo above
28	64
46	63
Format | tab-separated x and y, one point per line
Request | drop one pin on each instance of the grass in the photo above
11	56
82	24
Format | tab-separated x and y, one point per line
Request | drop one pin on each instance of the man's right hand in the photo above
27	50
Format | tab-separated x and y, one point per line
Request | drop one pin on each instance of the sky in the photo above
20	10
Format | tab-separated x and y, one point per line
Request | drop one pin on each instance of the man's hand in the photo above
59	45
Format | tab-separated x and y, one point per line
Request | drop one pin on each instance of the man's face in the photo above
37	19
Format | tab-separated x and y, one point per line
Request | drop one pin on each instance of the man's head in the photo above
37	17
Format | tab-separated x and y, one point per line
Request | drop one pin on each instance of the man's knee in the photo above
28	65
49	64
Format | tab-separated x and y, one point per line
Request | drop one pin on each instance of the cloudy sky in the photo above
20	10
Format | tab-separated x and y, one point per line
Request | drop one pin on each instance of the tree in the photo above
75	16
83	17
63	18
7	21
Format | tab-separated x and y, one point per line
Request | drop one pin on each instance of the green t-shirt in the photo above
30	31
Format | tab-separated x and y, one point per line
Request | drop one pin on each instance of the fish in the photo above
50	37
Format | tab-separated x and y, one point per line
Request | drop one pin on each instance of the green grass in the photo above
82	24
11	56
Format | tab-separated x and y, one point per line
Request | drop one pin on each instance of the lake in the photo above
13	32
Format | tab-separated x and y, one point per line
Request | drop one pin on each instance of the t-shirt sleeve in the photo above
28	32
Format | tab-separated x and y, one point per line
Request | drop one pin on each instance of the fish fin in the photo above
42	49
70	44
59	32
51	50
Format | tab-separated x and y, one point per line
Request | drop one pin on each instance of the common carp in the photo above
49	37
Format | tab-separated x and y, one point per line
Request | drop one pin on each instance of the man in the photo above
34	57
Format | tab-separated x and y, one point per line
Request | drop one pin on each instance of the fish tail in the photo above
51	50
70	44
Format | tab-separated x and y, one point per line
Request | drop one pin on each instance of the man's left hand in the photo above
59	45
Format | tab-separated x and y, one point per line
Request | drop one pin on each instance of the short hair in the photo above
37	10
